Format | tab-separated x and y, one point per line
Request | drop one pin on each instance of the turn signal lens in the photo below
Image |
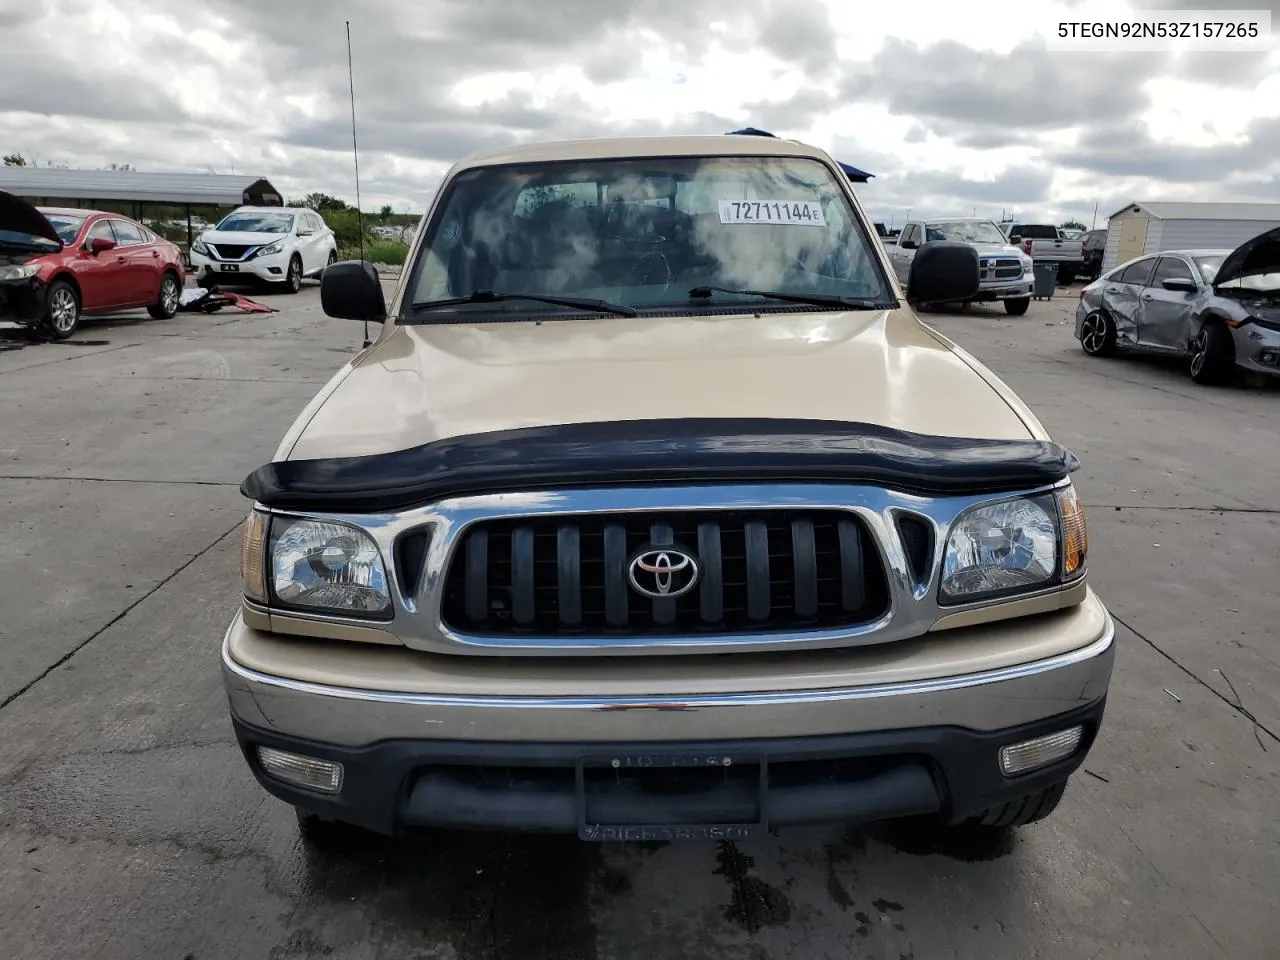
252	554
1075	532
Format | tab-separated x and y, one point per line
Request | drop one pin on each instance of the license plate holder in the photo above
230	268
627	762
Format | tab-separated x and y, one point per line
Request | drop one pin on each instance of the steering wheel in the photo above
641	271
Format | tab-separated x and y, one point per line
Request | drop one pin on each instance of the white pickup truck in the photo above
1044	241
1005	273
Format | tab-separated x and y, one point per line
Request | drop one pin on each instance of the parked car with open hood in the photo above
58	265
1218	308
276	245
654	512
1005	271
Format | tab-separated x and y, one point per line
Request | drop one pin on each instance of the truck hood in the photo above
1253	258
24	231
425	383
997	249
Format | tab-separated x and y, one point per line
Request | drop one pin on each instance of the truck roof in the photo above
605	148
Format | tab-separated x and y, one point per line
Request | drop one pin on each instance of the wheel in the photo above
329	836
1065	275
1020	812
1098	335
293	280
1017	306
166	305
333	258
62	314
1212	354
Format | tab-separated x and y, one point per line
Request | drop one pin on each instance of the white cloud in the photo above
952	106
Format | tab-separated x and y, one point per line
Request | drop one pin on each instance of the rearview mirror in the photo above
1181	285
101	245
943	271
351	290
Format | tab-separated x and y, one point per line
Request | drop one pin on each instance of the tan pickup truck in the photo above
654	512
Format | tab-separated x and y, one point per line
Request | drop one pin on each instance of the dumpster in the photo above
1046	273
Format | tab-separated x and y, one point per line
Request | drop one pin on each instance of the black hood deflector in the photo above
24	229
639	452
1253	258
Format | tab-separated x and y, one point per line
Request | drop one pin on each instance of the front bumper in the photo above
23	301
461	757
1004	291
1257	349
271	269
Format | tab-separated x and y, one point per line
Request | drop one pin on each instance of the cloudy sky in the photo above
956	106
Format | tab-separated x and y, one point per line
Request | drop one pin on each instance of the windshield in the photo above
1208	265
68	226
643	232
964	231
256	223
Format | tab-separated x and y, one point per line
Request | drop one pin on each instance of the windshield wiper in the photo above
494	296
817	299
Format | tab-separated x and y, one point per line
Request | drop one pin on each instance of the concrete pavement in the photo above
129	826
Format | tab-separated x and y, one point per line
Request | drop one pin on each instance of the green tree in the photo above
15	160
1073	225
323	203
385	212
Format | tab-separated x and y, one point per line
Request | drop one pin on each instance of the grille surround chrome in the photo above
913	602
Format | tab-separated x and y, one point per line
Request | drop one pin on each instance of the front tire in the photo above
293	280
62	313
1212	354
1098	335
1017	306
166	305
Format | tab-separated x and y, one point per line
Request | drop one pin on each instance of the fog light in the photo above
1268	356
1040	752
310	772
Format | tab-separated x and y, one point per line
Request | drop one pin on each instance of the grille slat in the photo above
523	594
569	570
478	575
759	601
852	594
616	594
759	571
711	589
805	558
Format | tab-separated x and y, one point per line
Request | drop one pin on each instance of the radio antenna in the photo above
355	156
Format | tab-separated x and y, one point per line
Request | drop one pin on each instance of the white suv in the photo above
279	245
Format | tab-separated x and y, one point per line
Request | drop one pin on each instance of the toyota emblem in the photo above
662	572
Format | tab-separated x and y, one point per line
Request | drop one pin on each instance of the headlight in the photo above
200	248
1028	265
269	249
318	566
19	272
1014	546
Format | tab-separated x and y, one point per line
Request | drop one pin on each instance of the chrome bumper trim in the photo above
912	688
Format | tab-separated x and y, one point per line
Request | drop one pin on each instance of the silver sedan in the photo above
1218	308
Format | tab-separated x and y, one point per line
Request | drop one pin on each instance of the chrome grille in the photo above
759	571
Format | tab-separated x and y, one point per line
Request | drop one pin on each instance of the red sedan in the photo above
58	265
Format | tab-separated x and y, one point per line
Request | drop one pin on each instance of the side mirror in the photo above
908	244
305	233
350	290
1180	284
943	271
101	245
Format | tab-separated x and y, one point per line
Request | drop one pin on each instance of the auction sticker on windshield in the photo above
798	213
